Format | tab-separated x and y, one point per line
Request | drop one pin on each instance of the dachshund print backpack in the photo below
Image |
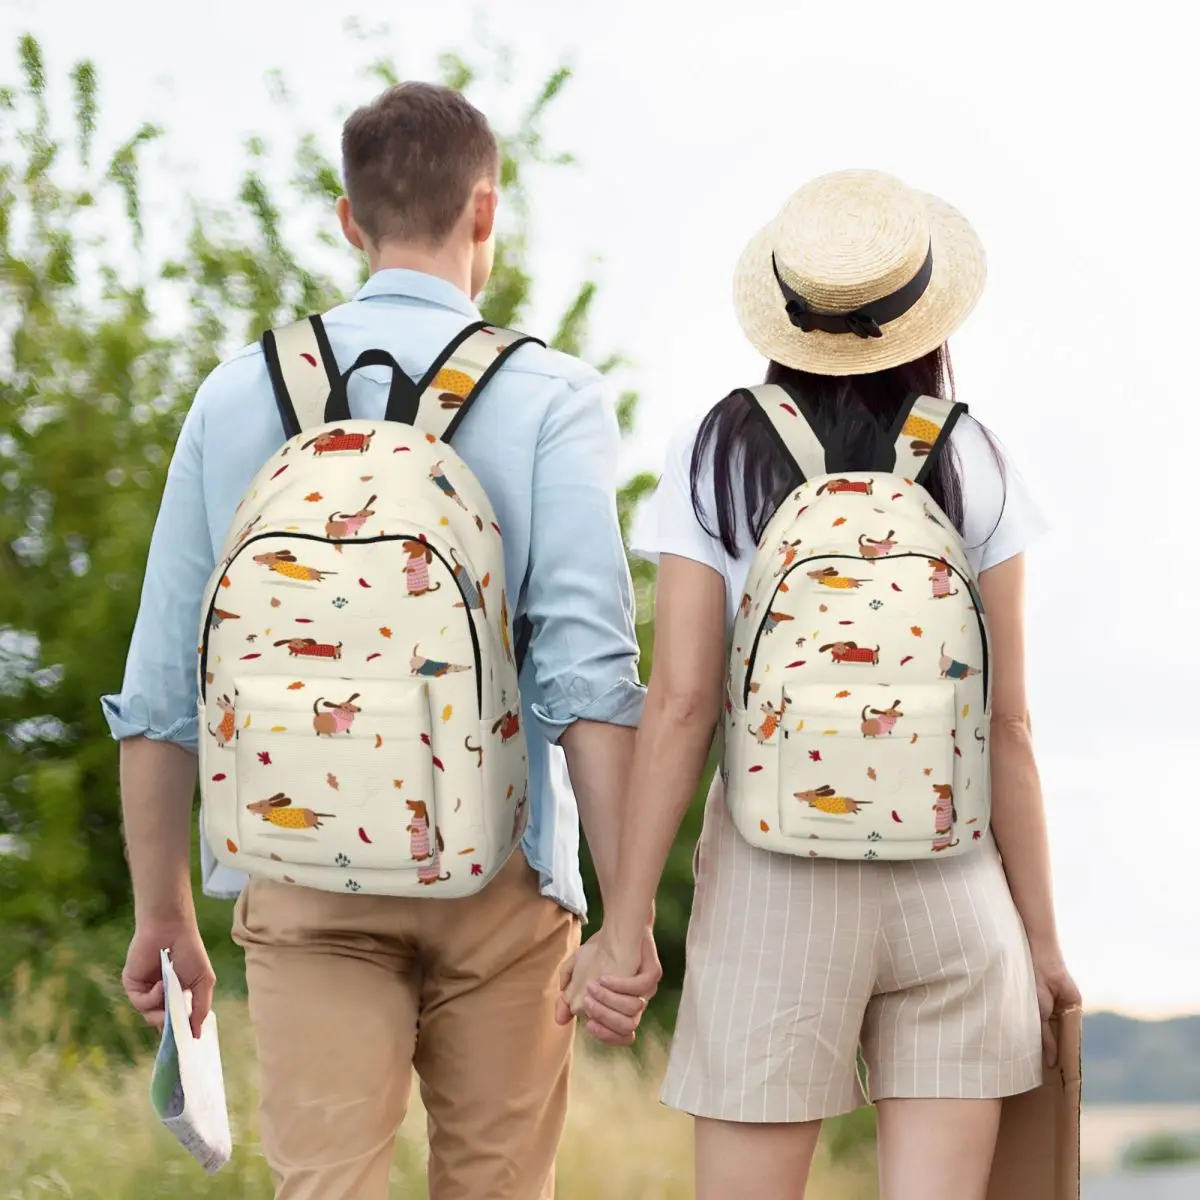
360	721
857	703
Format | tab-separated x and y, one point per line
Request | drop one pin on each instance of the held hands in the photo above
609	987
142	977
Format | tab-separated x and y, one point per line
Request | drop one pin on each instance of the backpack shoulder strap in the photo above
920	434
790	422
462	370
302	368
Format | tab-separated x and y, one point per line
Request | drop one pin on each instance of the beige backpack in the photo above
360	719
857	708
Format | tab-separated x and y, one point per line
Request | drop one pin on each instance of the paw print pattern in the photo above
340	602
342	860
352	886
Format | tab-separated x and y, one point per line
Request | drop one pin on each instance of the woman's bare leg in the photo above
936	1149
736	1160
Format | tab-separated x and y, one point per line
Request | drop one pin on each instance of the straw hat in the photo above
857	273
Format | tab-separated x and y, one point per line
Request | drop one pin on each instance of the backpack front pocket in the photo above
336	773
869	763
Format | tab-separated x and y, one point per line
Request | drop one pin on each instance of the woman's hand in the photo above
1056	993
610	986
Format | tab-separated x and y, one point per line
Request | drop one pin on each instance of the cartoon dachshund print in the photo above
347	525
306	647
519	815
283	562
430	668
851	652
790	552
416	570
863	487
772	717
224	732
941	579
278	811
472	592
425	846
338	441
829	577
951	668
508	726
944	818
438	475
774	620
876	547
338	719
825	799
218	615
882	721
453	387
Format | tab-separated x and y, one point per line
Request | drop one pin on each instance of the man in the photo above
349	992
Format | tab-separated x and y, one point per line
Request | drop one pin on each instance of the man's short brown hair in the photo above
410	159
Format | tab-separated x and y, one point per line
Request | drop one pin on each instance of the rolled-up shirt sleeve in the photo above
579	596
159	693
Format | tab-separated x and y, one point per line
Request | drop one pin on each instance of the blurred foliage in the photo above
94	384
1162	1149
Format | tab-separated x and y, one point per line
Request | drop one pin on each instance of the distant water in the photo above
1164	1183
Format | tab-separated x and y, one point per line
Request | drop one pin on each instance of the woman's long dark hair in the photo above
854	415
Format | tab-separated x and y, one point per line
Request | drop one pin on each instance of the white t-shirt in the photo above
1000	518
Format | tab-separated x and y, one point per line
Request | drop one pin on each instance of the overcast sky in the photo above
1064	135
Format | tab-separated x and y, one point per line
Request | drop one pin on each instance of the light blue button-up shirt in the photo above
544	443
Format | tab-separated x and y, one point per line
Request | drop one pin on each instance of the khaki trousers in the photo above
348	993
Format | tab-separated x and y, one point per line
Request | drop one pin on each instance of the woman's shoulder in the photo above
1000	515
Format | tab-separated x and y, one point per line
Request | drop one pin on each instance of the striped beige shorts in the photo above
794	964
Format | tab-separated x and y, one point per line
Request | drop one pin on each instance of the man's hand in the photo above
609	988
142	977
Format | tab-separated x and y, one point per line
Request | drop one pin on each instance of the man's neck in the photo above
448	263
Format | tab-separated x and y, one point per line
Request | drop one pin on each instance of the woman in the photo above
936	967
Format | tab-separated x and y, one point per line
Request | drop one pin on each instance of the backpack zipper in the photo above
972	591
313	537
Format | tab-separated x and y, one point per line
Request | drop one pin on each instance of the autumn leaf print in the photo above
928	771
871	773
378	741
447	712
264	757
841	695
370	657
384	631
764	826
906	659
897	588
362	833
331	779
279	729
839	521
219	776
231	846
966	710
798	663
913	739
398	784
225	581
295	687
476	869
280	471
896	817
468	850
815	755
916	631
363	583
313	497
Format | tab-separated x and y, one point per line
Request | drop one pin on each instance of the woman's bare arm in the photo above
1018	815
683	706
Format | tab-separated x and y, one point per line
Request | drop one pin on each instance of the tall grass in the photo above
77	1123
